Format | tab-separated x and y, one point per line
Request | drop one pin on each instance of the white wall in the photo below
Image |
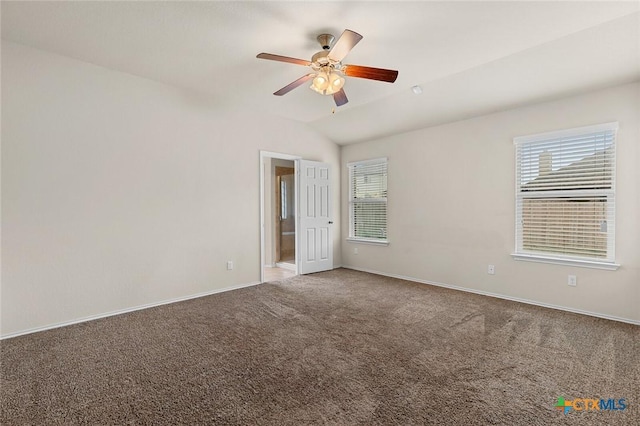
451	206
118	191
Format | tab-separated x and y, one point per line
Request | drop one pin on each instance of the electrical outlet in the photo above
229	265
355	250
491	270
573	280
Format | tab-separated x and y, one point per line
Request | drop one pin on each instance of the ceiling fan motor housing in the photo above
321	58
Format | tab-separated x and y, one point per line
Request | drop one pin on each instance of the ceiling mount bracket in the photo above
326	40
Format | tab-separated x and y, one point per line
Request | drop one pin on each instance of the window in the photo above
368	201
565	196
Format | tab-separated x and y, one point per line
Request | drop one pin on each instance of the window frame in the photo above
351	237
568	194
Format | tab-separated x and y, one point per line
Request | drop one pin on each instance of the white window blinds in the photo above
565	193
368	200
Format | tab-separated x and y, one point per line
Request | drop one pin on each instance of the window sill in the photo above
569	262
368	241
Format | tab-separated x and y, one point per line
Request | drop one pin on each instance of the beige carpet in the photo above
340	347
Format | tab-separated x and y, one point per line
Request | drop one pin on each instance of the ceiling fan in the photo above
328	71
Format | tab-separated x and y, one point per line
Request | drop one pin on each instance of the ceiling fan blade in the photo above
345	43
283	59
380	74
340	98
289	87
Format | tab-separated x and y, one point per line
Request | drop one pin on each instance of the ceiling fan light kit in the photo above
328	76
327	82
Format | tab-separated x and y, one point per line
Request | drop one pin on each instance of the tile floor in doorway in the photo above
276	274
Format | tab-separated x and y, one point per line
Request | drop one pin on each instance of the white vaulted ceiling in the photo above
470	58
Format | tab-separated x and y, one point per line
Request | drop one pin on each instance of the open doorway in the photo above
279	209
284	220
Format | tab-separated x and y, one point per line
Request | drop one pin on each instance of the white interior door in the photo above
315	230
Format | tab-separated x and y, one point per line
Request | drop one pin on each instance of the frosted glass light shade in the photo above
321	81
327	83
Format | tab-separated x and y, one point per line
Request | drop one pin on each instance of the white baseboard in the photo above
126	310
499	296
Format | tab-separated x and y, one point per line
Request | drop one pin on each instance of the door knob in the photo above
330	222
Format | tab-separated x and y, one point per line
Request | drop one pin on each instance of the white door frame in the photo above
294	158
